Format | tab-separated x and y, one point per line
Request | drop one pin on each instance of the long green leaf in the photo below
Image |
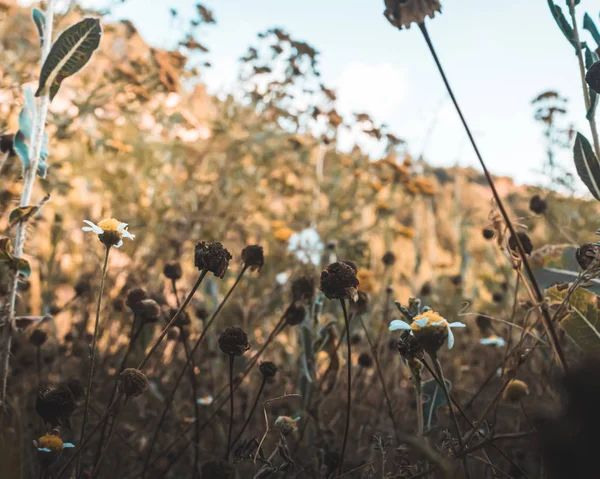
587	165
40	22
69	54
591	57
23	138
562	23
590	26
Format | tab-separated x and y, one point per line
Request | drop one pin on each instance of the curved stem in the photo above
231	358
349	387
98	465
260	390
92	358
192	370
546	319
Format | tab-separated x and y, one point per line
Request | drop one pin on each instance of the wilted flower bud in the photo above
339	281
295	313
303	289
38	337
234	342
525	242
132	382
538	205
148	310
55	405
403	13
268	369
586	255
172	270
409	348
212	257
515	391
253	257
134	297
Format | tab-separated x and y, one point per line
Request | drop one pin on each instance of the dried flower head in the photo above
234	342
409	348
148	311
76	388
389	259
55	405
253	257
110	231
132	382
403	13
134	297
525	242
488	233
212	257
268	369
295	313
587	254
515	390
430	329
484	323
339	281
303	289
217	470
286	425
38	337
172	270
365	360
538	205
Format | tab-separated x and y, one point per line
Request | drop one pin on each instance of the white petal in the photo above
95	228
438	323
127	234
397	324
121	226
457	324
68	444
450	338
119	244
87	229
421	322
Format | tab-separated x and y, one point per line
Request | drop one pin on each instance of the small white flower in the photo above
493	340
282	278
110	231
307	246
427	320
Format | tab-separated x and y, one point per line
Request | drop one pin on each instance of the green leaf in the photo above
433	398
582	319
590	26
69	54
40	22
24	136
591	57
20	265
562	23
587	164
23	213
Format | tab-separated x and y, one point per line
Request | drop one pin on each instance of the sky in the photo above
497	55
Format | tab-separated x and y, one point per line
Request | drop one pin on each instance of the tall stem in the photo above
349	388
546	319
92	357
249	418
39	124
586	92
231	358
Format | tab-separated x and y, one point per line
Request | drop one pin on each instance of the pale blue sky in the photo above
498	56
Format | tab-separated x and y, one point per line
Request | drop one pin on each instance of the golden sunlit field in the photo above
202	287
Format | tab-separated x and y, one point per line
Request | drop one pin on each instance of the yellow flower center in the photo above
432	317
54	443
109	224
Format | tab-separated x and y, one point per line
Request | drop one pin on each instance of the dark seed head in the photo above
295	313
173	334
389	259
409	348
234	342
525	242
538	205
365	360
134	297
172	270
497	297
132	382
38	337
148	310
488	233
339	281
586	255
484	323
425	290
355	338
201	311
83	285
55	405
593	77
268	369
253	257
303	289
182	320
212	257
456	280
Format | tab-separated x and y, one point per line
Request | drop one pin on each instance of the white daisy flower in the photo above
493	340
307	246
110	231
429	321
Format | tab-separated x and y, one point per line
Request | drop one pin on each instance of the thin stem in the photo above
381	378
92	357
349	387
39	365
231	358
586	92
96	470
175	293
420	413
260	390
39	124
546	320
186	365
173	319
